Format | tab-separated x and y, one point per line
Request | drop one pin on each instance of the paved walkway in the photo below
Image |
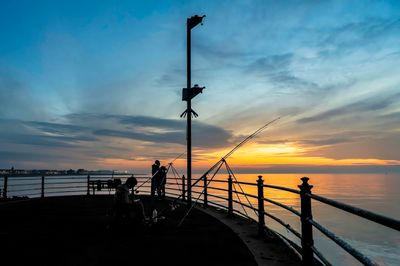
269	250
77	231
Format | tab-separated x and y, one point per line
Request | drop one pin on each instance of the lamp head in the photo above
194	21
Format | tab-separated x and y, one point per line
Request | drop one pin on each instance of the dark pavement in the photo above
76	230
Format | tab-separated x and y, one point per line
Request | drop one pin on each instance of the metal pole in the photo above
183	188
230	196
5	187
189	119
261	218
88	185
307	241
42	194
205	204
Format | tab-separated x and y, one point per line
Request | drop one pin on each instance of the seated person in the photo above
125	203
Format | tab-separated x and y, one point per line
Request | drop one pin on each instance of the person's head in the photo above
157	162
117	182
131	182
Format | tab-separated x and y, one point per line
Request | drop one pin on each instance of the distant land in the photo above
382	169
81	171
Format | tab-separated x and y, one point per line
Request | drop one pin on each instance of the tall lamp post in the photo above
187	94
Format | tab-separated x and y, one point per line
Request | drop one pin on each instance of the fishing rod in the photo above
223	160
250	137
255	133
220	163
177	157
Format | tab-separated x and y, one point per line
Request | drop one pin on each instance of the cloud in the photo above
382	146
159	130
219	51
369	105
315	141
55	127
395	117
366	33
97	128
271	64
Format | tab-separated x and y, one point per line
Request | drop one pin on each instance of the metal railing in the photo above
41	186
308	249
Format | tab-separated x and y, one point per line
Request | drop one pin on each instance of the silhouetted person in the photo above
162	182
117	182
125	203
154	171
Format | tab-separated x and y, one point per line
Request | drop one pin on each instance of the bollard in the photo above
42	190
5	187
205	204
183	188
307	241
261	218
230	196
88	185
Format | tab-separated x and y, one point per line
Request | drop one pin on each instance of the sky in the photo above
97	84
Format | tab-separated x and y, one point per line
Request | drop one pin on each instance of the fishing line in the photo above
222	160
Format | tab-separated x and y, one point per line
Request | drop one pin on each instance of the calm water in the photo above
374	192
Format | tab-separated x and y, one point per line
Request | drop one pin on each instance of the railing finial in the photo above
305	187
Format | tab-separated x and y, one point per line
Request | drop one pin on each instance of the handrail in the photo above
380	219
52	185
283	188
246	194
244	204
287	226
282	206
320	256
73	175
216	188
172	188
25	189
219	181
65	191
234	182
244	183
218	197
356	254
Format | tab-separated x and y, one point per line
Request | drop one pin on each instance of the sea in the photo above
378	193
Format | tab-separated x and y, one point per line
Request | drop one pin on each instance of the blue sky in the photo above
96	84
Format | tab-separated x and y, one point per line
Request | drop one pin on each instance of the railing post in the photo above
307	241
88	185
261	218
5	187
42	194
230	196
205	204
183	188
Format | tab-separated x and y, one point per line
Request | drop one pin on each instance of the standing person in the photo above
154	172
163	181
